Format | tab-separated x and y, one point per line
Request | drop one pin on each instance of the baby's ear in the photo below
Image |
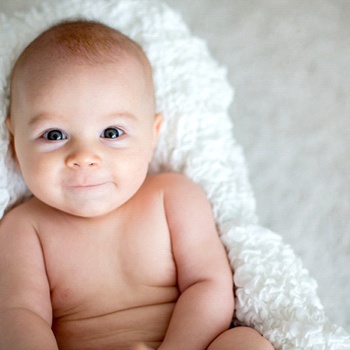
157	124
9	124
12	143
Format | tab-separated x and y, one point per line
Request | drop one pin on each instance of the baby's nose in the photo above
83	159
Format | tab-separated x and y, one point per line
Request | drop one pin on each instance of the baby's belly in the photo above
116	330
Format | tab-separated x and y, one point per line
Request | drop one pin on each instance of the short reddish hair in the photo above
84	42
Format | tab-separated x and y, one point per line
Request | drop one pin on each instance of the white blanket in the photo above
275	294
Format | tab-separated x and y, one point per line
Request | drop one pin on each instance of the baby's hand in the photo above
141	346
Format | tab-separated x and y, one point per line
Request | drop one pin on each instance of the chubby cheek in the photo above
38	171
131	168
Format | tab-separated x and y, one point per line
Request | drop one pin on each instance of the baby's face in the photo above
84	134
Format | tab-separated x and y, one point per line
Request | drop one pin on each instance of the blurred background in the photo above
289	62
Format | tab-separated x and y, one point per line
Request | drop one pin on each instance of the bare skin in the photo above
104	256
112	280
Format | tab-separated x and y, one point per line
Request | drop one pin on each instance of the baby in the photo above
105	256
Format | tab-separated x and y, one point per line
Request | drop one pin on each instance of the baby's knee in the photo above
240	338
253	338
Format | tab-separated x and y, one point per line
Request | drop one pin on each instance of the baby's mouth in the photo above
87	185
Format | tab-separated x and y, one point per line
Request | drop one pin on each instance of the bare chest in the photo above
95	269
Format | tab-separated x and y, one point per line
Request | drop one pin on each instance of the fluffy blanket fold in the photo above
274	293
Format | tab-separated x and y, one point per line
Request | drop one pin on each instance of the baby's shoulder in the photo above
18	229
175	187
24	214
18	212
170	182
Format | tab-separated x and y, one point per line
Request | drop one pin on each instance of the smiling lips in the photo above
86	184
88	188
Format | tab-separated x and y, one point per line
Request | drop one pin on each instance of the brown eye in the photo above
111	133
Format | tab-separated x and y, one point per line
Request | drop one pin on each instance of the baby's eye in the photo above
54	135
112	133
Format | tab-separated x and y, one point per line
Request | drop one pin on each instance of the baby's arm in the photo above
205	307
25	307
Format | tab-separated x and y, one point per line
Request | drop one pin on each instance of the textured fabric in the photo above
275	294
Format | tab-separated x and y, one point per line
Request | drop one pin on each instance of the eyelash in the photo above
58	135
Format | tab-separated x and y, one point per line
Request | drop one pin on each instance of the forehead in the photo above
47	69
39	83
73	92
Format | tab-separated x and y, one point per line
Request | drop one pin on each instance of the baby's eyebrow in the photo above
37	119
123	115
43	117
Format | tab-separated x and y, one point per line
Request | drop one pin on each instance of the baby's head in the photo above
82	116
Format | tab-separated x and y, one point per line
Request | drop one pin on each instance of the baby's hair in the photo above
83	42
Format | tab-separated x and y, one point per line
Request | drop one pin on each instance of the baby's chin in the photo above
87	202
90	210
